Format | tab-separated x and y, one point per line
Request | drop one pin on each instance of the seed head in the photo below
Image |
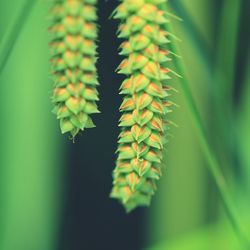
73	34
145	103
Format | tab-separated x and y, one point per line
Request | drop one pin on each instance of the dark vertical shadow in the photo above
242	51
90	219
241	67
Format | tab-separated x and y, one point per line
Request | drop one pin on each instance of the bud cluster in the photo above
73	34
145	104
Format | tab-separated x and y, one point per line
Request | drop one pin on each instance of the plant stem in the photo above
213	163
9	40
203	47
223	81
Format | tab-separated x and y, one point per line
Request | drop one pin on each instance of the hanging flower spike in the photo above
73	49
145	102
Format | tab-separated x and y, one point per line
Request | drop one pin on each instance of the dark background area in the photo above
88	211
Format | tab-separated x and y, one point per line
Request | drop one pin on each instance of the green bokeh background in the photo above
186	212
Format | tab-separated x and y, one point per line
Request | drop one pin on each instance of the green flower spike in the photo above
145	104
73	49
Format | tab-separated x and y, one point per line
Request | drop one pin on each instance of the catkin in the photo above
73	34
145	103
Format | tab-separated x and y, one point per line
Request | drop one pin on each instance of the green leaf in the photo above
9	40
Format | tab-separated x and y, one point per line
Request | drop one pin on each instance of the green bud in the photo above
145	105
73	49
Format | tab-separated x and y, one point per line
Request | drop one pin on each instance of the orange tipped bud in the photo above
145	103
73	60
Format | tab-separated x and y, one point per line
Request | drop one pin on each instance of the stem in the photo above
223	83
213	163
9	40
203	47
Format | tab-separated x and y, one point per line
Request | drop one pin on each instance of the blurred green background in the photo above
54	194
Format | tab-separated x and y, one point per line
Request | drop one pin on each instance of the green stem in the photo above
202	46
7	42
223	80
213	163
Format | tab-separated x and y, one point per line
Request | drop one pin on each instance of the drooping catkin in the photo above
73	49
145	104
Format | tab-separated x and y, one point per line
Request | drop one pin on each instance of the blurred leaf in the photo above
217	237
223	82
209	152
201	44
30	149
8	41
243	129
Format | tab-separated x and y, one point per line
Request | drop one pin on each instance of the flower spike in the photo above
146	101
73	49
